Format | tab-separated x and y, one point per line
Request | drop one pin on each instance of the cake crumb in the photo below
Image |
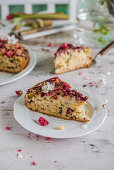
104	106
84	126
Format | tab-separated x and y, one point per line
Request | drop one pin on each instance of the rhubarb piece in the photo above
69	57
56	98
54	16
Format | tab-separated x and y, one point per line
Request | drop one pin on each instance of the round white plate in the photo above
28	118
9	77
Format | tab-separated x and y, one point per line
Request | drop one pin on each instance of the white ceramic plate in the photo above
28	118
9	77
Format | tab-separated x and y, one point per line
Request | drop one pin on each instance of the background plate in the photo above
27	119
9	77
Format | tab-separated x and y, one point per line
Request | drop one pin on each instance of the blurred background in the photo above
92	20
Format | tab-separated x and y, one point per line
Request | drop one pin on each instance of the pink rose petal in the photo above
33	163
8	128
47	138
19	150
90	82
50	45
19	92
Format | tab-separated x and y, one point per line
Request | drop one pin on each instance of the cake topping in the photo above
47	87
10	48
66	46
12	39
53	87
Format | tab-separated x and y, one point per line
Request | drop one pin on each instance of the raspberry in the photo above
43	121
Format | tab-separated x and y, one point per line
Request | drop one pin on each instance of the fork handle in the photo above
105	49
108	47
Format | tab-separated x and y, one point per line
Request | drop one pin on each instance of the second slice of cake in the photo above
69	57
56	98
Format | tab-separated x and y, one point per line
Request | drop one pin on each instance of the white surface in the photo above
28	118
6	78
94	151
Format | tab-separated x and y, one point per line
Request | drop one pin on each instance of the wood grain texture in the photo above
94	151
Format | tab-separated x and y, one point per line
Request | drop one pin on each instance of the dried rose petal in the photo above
33	163
80	73
19	92
47	138
50	45
43	121
8	128
90	82
19	150
64	45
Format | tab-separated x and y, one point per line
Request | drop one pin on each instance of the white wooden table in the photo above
94	151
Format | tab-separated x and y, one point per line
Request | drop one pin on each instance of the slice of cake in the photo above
13	57
56	98
68	58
